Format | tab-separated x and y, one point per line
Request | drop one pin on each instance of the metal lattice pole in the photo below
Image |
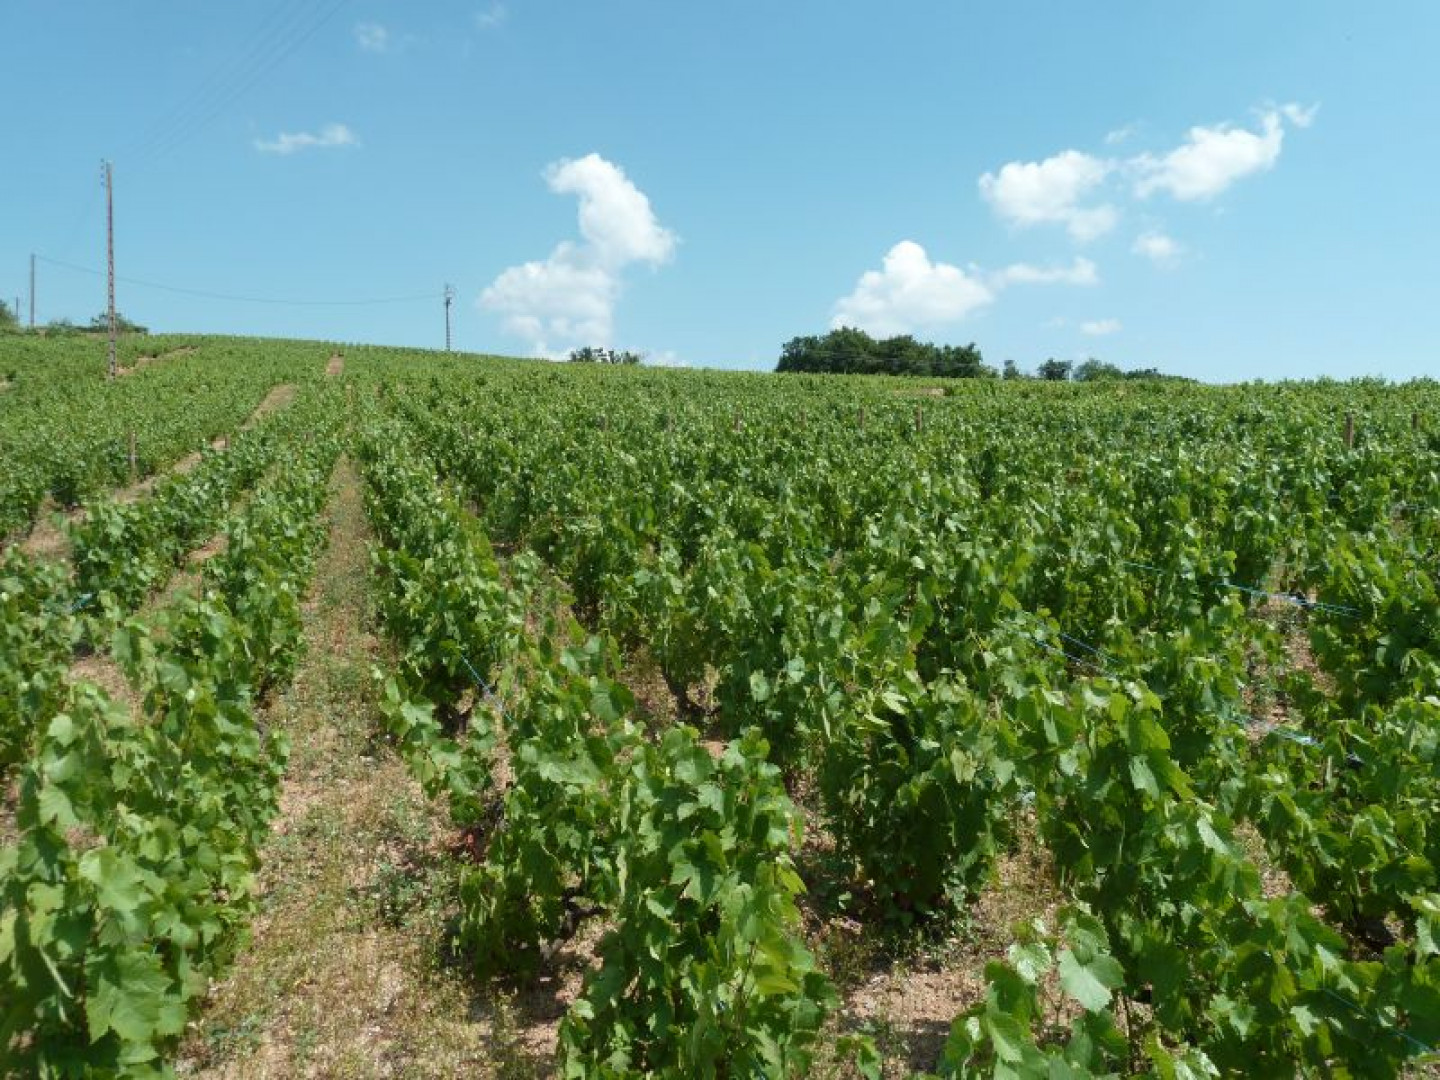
449	296
110	259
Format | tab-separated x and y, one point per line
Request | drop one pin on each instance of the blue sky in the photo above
1223	190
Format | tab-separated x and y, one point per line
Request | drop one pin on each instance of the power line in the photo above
208	295
297	25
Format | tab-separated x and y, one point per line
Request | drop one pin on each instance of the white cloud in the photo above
490	17
1157	247
910	293
1100	327
615	215
1050	191
372	37
1079	272
330	136
1212	158
1120	134
569	298
1298	115
665	358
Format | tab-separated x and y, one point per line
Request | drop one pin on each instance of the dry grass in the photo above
347	974
46	540
278	397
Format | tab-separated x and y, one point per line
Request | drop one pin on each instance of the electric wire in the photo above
272	49
207	294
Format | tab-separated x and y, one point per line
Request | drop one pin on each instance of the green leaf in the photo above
1143	778
1091	982
1031	961
1008	1036
128	995
55	808
119	884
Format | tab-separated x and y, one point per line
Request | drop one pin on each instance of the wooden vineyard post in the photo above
1349	431
133	476
861	421
1415	420
737	424
919	420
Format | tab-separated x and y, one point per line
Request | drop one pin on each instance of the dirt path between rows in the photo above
145	361
278	398
46	539
342	976
336	366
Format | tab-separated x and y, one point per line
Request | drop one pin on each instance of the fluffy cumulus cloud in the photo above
1157	247
372	37
911	294
1083	192
1051	191
330	137
615	216
569	298
1213	158
1100	327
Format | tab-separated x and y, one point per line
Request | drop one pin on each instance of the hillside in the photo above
371	711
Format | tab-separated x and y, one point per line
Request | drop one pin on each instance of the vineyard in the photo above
728	710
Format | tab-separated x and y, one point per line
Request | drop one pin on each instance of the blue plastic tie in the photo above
1070	656
1144	566
483	686
1298	601
1088	648
1420	1046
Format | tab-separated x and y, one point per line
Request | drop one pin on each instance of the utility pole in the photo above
449	296
110	258
32	295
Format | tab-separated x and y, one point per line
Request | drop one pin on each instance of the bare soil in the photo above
347	973
278	397
335	365
145	361
46	539
907	1002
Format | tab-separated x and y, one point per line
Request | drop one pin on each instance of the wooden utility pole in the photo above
449	296
32	295
110	259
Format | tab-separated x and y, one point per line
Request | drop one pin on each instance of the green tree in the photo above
9	319
590	354
1093	370
122	324
848	351
1054	370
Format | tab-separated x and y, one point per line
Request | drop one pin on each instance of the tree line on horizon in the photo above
848	351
